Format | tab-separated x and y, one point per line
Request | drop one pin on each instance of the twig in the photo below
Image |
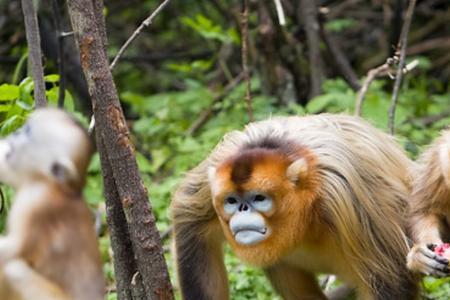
60	59
342	6
135	34
280	12
205	115
166	234
428	120
341	61
34	45
431	44
244	38
401	52
385	69
382	70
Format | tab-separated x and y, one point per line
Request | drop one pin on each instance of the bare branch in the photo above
138	31
401	52
382	70
341	61
280	12
428	120
167	233
34	46
385	69
244	38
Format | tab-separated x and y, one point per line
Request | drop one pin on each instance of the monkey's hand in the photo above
421	258
19	275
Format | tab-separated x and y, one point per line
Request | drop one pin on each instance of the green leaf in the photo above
52	78
319	103
143	163
26	88
9	92
4	107
339	24
11	124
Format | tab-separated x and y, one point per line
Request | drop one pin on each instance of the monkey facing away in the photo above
50	250
296	196
430	208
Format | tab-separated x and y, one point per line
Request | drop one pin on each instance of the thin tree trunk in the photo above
308	15
123	256
117	149
34	49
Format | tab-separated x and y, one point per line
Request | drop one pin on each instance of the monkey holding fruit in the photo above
50	249
430	210
297	196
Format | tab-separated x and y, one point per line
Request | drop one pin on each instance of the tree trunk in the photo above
117	152
308	15
34	49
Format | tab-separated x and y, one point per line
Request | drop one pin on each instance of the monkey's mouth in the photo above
250	236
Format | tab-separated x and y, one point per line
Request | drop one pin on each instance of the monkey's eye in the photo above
259	198
230	204
261	202
230	200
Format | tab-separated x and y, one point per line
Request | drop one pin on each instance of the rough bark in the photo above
129	284
34	49
123	258
118	150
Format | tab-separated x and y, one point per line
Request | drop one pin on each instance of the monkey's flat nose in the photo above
243	207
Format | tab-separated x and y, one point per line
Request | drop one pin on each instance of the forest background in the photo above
182	86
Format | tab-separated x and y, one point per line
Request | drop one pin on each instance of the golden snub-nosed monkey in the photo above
430	208
297	196
50	249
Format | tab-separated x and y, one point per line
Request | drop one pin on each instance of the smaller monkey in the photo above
430	209
50	249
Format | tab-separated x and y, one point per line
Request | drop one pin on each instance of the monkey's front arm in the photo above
18	281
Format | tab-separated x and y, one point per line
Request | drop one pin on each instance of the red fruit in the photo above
442	249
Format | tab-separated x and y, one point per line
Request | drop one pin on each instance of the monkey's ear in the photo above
297	170
63	170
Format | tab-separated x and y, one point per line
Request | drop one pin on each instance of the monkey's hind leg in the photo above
293	283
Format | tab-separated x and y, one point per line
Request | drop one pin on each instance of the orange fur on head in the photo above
266	171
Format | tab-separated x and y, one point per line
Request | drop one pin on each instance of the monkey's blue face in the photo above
247	224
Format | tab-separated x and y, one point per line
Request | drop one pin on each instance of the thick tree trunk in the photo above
117	152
